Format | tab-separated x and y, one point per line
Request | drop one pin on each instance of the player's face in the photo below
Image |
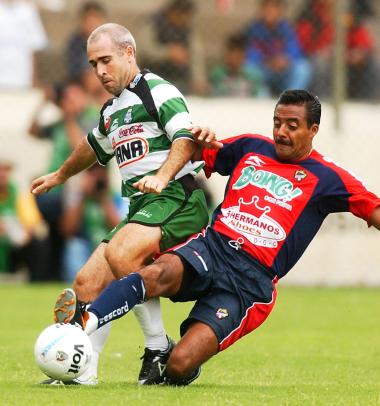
292	137
114	67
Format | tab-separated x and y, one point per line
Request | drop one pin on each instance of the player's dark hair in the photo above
300	98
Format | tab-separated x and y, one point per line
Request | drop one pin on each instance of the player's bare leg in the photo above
94	276
197	346
131	248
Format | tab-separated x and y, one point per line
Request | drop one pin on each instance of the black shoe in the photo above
183	381
154	365
69	310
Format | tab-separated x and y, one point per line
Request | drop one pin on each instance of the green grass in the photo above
319	347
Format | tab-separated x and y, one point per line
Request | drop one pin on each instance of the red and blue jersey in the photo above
274	209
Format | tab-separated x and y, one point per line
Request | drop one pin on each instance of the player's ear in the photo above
314	130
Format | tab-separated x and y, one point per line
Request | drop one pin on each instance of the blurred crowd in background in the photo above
53	235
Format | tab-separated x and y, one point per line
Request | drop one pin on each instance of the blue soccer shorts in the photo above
234	293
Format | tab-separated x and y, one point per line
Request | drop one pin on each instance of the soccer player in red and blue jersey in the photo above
278	194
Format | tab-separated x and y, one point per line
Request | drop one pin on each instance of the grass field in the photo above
319	347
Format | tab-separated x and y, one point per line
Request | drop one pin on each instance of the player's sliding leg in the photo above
162	278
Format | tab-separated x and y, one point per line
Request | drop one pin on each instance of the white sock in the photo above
149	317
91	324
98	339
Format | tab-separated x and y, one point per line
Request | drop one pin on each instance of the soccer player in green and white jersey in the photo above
145	126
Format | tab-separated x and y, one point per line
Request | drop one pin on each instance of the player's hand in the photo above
44	183
205	137
150	184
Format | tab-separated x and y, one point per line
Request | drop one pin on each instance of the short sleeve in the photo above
99	141
172	110
349	195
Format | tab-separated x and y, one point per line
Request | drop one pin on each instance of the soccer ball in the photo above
63	351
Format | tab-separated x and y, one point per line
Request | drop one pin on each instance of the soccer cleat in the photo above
92	381
154	365
183	381
69	310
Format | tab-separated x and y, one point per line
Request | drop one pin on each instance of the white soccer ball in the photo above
63	351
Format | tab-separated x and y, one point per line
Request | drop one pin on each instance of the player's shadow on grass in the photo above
123	385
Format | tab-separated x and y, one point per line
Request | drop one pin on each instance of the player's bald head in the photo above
120	36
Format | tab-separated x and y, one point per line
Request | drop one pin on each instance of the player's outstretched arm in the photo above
81	158
375	218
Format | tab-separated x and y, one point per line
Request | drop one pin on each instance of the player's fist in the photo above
205	137
150	184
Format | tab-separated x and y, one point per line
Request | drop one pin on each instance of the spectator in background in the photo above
172	31
273	48
21	242
90	212
315	30
78	117
91	15
21	36
363	77
234	77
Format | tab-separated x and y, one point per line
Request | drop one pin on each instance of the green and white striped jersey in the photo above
138	128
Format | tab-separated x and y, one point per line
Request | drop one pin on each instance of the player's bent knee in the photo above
152	276
88	285
161	279
180	363
86	289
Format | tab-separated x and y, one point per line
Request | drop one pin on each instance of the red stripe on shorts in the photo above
254	317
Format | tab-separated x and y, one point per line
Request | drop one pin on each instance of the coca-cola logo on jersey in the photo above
132	130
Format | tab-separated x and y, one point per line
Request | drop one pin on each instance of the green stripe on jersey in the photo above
152	83
183	134
170	108
101	156
160	143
